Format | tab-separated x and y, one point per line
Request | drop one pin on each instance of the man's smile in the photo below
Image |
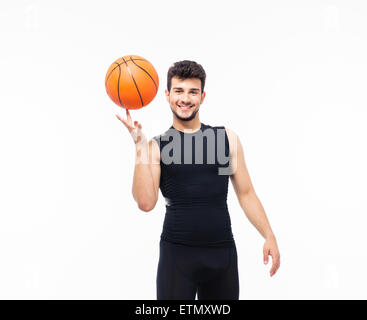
184	108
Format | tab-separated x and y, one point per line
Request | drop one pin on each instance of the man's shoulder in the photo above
159	136
164	137
228	130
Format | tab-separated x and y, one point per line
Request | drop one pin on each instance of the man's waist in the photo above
213	238
195	202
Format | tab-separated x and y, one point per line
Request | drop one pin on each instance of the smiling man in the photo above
198	254
185	98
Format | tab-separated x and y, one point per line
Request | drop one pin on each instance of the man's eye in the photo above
181	92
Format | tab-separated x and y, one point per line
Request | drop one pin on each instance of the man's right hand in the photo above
135	130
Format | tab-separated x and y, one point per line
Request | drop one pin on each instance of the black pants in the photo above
184	271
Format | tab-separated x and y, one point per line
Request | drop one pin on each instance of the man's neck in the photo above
187	126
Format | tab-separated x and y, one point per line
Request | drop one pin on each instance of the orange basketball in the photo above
131	82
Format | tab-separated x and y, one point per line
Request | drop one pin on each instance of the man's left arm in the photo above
249	201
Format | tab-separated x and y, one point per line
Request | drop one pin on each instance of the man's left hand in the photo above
271	248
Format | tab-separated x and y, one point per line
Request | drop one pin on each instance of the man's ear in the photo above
203	97
166	92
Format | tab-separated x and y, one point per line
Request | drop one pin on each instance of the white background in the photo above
289	77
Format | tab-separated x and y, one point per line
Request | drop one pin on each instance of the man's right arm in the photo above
147	174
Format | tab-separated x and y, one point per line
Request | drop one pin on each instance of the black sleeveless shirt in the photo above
195	169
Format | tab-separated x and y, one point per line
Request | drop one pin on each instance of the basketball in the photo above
131	82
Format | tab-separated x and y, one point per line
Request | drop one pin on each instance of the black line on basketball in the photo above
128	69
130	60
118	87
146	73
119	64
105	83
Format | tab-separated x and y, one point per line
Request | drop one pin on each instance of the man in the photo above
197	250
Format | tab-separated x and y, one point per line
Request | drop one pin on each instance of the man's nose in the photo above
185	98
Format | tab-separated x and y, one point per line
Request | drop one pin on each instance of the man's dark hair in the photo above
186	69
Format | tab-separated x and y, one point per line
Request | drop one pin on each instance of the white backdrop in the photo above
288	77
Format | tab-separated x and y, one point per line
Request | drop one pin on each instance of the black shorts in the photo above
184	271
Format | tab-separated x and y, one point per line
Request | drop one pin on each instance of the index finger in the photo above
127	125
128	115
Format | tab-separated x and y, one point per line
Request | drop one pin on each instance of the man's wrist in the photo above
270	236
141	142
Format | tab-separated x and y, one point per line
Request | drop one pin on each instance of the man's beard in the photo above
192	116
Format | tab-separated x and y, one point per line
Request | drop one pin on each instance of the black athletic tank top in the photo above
194	182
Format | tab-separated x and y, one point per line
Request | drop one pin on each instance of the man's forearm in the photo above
255	212
143	184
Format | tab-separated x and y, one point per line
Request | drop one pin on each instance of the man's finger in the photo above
274	269
276	264
128	116
125	123
266	255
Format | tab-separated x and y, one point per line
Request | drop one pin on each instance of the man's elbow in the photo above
249	195
146	207
143	205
